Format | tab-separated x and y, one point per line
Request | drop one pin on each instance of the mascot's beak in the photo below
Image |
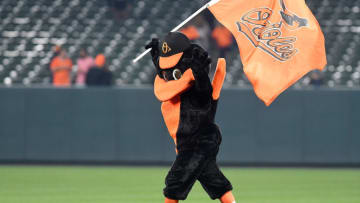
165	91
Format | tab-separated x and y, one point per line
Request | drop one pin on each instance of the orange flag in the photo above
279	41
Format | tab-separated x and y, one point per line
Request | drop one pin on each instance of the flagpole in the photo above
212	2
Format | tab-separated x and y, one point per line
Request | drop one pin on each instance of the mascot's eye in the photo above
167	75
177	74
164	76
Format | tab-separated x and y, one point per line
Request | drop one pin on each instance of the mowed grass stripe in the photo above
127	184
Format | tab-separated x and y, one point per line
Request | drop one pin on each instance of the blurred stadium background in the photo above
30	29
314	124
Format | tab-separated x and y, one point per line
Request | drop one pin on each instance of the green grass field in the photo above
19	184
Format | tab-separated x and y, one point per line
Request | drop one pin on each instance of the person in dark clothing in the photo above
316	79
99	75
120	8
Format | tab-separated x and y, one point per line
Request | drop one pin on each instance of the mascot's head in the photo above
174	66
173	49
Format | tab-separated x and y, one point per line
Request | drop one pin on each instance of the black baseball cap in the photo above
172	48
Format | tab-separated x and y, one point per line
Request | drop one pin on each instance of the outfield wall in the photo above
126	126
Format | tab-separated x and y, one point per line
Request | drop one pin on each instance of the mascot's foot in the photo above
228	198
171	200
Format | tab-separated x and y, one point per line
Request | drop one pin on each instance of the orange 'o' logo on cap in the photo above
165	48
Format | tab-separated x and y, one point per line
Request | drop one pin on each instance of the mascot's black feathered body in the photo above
189	102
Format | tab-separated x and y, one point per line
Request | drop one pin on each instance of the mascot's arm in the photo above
153	45
199	63
202	82
202	88
219	78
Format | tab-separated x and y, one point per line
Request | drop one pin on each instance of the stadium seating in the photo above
30	29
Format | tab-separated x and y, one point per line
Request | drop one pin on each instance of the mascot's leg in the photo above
183	174
228	198
216	184
170	201
211	178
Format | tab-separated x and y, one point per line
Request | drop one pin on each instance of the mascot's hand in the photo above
200	60
154	45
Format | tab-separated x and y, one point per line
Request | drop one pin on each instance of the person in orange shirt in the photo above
191	32
223	38
197	31
61	68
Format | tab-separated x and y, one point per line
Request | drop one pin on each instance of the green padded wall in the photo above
126	126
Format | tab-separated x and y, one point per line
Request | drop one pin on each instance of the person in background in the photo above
191	32
224	39
99	75
204	29
316	79
57	49
120	8
61	67
56	52
209	17
84	63
197	31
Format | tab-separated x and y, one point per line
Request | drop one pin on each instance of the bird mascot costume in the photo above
189	101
